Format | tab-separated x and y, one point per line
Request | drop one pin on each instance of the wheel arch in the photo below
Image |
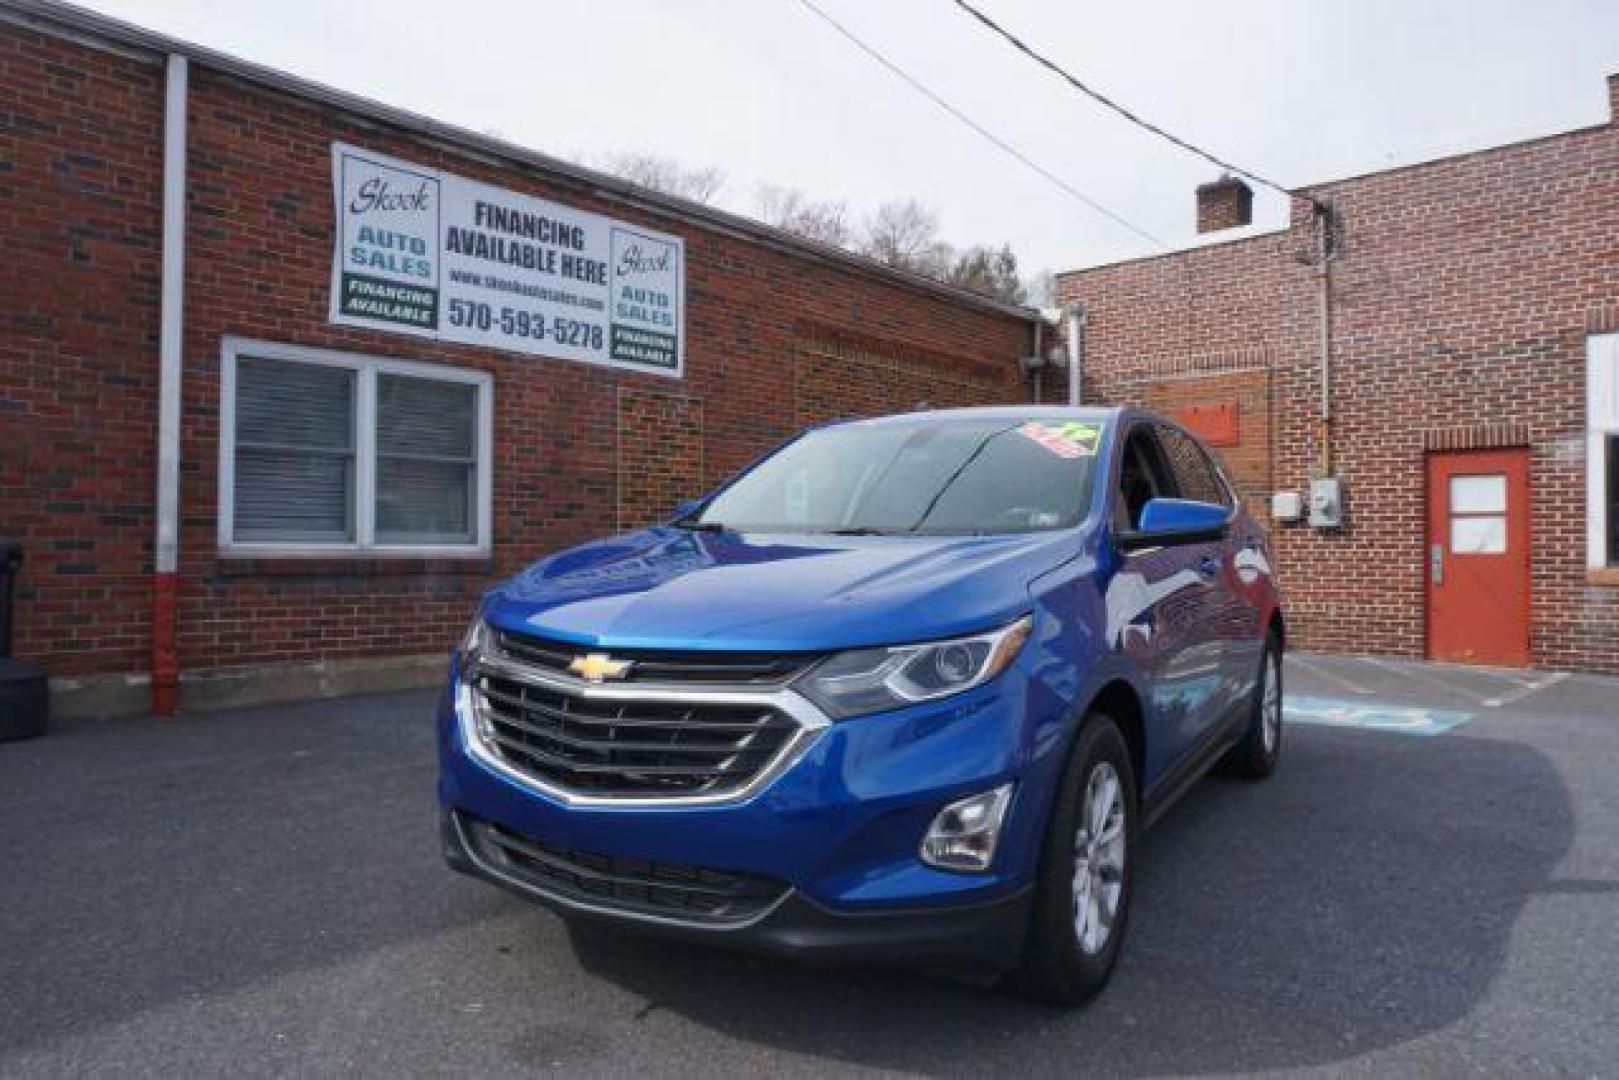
1120	701
1278	626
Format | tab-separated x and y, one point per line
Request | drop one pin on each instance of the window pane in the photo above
426	418
1478	535
286	404
293	495
1478	494
424	500
1195	475
1613	500
294	452
426	448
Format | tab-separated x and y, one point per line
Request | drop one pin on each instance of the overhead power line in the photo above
982	131
1107	102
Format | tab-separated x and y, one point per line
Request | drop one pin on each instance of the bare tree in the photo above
990	271
700	184
789	209
905	233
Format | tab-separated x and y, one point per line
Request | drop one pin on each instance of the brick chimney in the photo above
1227	203
1613	98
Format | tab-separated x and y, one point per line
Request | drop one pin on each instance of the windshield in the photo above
930	475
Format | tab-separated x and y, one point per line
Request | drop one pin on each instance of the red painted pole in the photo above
165	659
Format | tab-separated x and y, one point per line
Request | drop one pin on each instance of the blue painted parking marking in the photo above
1371	716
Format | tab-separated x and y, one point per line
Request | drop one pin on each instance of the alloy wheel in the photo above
1270	707
1099	853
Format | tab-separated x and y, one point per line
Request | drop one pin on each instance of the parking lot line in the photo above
1525	689
1423	674
1329	675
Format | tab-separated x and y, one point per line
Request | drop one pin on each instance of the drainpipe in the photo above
1324	257
1036	373
165	661
1076	351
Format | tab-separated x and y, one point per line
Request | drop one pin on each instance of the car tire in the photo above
1069	958
1255	756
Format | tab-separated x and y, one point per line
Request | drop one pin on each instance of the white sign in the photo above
425	252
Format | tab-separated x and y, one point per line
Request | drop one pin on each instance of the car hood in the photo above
669	588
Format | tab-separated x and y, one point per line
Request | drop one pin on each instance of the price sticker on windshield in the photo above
1066	440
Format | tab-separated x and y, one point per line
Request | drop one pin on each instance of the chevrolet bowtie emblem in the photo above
599	667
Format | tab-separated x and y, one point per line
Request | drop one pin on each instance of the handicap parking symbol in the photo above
1371	716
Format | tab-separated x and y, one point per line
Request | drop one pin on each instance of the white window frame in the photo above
1602	420
366	369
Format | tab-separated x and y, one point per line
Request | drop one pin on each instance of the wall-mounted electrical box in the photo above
1326	503
1287	506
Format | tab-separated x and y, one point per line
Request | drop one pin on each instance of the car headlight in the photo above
472	645
871	680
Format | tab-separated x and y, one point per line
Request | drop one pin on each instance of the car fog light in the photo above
964	835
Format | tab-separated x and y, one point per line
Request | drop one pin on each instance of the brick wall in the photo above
841	373
80	198
660	450
1462	296
773	337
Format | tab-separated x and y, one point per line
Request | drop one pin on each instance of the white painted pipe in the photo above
1076	352
171	321
170	350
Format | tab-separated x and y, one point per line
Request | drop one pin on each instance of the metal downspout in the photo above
1324	257
1076	352
165	660
1035	374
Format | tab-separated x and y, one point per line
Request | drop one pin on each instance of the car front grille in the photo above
637	886
642	747
663	665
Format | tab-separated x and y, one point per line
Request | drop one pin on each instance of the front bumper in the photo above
839	830
977	938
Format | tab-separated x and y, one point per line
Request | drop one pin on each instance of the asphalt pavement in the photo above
260	892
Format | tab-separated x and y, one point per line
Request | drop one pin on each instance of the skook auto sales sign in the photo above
425	252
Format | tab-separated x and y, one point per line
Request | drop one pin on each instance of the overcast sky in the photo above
1299	90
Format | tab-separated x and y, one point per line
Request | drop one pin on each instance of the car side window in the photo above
1196	476
1142	478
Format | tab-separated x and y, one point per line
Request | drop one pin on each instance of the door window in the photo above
1142	478
1196	476
1478	515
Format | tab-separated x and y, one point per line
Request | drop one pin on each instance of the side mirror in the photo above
1165	522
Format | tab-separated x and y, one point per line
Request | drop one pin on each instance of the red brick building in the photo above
1469	398
454	464
156	360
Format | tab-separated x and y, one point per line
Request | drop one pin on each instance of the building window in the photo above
325	452
427	460
1613	500
1602	450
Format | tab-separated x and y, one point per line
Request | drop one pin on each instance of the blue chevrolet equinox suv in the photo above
905	689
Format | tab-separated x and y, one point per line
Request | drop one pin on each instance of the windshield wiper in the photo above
700	526
860	530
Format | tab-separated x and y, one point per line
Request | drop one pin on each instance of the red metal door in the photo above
1478	557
